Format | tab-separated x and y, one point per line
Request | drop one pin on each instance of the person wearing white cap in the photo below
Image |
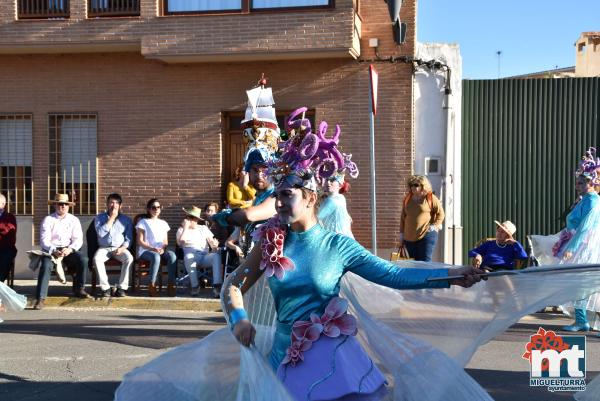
502	252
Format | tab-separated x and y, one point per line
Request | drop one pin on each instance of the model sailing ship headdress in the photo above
260	129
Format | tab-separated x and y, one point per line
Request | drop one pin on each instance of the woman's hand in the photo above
471	275
239	252
567	255
213	243
244	332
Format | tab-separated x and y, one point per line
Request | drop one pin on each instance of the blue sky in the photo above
533	35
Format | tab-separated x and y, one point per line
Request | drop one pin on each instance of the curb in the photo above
200	305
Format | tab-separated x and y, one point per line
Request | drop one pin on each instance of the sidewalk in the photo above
60	295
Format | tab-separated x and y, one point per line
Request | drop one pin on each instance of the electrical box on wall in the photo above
433	166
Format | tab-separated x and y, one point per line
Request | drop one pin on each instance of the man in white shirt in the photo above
62	237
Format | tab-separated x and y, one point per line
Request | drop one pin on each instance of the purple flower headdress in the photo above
308	158
590	166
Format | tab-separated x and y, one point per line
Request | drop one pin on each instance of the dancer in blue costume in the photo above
577	243
314	350
333	213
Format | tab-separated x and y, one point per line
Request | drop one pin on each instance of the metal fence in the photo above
522	140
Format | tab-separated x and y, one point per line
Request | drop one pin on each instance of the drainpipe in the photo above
449	181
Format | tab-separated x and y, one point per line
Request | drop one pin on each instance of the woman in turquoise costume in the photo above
578	242
314	352
333	213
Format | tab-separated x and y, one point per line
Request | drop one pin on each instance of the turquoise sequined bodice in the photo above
583	207
321	258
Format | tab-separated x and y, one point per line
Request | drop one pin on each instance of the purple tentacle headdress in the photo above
311	158
590	166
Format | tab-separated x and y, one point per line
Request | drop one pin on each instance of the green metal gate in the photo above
522	140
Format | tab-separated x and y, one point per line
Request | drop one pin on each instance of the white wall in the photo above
435	138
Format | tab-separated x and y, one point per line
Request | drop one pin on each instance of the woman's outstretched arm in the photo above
235	286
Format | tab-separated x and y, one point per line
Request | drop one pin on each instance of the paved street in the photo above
62	354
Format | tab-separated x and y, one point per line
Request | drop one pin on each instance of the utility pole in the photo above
499	54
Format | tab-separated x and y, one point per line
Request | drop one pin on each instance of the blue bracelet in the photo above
236	315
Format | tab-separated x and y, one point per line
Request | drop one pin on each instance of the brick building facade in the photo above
158	92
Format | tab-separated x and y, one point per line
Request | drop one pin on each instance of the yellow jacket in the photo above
238	197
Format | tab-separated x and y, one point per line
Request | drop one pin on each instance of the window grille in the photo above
258	4
72	165
15	162
42	9
243	6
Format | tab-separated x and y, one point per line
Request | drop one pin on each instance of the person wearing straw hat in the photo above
62	237
197	240
502	252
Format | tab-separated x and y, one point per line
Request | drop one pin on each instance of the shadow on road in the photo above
24	390
154	335
213	319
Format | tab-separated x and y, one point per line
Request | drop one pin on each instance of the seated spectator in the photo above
197	241
8	239
115	233
152	242
61	236
221	233
240	193
235	245
233	242
502	252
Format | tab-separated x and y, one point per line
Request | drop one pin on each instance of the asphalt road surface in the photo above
62	354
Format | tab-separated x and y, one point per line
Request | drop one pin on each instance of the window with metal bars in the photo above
244	6
72	165
15	162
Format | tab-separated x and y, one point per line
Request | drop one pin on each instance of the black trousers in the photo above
6	258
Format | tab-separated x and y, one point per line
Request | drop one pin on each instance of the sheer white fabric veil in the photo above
420	339
11	299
